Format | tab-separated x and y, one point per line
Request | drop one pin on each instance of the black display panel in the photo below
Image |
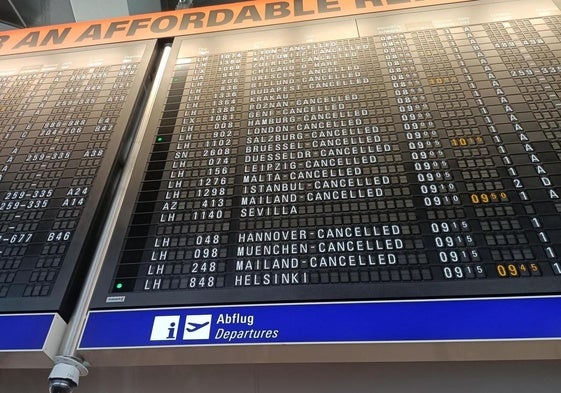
64	120
416	164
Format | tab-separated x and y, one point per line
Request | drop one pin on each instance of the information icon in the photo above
165	328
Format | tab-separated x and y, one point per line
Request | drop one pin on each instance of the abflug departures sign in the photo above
324	323
406	165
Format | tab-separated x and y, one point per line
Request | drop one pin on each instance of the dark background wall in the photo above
450	377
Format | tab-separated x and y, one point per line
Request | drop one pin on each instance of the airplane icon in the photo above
196	326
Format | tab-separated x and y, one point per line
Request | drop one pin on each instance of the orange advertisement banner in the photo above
193	21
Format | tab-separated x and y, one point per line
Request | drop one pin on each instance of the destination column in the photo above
270	245
331	199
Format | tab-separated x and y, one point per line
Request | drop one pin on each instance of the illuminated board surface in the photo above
63	116
385	165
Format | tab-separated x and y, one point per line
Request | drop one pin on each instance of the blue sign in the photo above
390	321
24	332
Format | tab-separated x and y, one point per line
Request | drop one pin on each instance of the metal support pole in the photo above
68	365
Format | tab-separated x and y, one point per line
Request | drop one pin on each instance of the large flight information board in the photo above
63	118
399	165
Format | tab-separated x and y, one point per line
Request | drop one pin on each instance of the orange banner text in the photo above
193	21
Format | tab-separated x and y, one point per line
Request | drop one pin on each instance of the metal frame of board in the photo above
139	336
508	328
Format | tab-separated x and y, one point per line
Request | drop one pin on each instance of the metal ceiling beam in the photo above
23	23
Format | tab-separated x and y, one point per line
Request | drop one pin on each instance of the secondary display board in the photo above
63	119
415	164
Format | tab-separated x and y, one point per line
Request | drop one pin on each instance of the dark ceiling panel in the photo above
44	12
8	15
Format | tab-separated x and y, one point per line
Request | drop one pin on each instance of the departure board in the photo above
63	117
411	164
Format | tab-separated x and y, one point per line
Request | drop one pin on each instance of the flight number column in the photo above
218	153
191	233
